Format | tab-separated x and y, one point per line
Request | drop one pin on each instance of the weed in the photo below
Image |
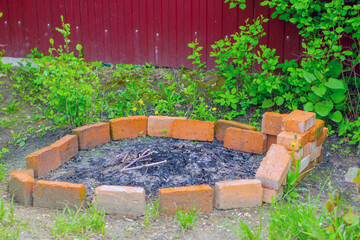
152	211
78	222
9	225
3	165
186	219
243	231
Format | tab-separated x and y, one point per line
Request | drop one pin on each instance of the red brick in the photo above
272	123
51	194
299	121
270	195
29	172
200	197
68	147
193	130
287	138
245	140
319	158
221	125
274	167
306	171
315	153
271	139
161	126
121	200
238	193
20	186
44	160
316	130
128	127
92	135
322	137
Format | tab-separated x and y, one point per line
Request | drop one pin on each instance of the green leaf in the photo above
323	108
347	53
309	107
335	68
320	91
350	218
335	84
339	30
309	76
336	116
338	96
267	103
279	101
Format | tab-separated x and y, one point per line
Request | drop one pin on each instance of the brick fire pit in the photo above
276	139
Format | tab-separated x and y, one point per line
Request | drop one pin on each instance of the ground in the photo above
213	225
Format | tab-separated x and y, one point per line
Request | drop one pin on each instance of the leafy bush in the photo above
69	86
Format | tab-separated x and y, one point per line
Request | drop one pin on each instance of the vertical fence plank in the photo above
16	28
30	24
5	36
165	29
291	42
276	36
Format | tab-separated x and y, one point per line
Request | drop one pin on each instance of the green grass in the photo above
244	232
306	220
152	211
186	219
79	222
9	225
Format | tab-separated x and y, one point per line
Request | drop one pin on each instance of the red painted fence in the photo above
135	31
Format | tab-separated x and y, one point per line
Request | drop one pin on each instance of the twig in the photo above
142	166
143	155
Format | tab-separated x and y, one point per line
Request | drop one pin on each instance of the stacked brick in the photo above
276	138
300	135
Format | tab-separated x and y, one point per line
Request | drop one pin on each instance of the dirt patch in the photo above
182	163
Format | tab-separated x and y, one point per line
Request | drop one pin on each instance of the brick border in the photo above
276	139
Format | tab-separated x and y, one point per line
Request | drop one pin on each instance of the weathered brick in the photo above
287	138
92	135
161	126
29	172
270	140
20	186
270	195
122	200
221	125
316	130
51	194
304	163
301	153
274	167
128	127
319	158
68	147
272	123
193	130
44	160
245	140
322	137
305	171
198	197
315	153
238	193
298	121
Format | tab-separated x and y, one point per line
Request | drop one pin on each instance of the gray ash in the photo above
187	163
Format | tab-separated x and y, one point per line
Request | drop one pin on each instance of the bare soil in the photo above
214	225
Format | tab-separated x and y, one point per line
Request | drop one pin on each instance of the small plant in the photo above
78	222
186	219
152	211
3	165
9	225
243	231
